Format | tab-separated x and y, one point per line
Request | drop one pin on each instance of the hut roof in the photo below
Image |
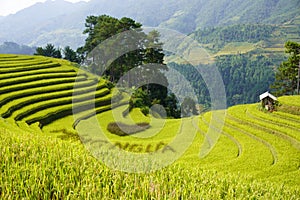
267	94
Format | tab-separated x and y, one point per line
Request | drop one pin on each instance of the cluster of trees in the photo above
287	75
144	54
145	50
245	77
50	51
220	36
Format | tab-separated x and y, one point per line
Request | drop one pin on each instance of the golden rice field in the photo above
48	124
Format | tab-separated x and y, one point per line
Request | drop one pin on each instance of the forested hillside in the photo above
247	56
258	36
245	77
61	22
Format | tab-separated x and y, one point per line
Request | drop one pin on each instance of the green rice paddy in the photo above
47	116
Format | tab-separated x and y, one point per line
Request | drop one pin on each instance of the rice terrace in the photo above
137	99
257	154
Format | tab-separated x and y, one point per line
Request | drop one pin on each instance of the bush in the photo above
122	129
145	110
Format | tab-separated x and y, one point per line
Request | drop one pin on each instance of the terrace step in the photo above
28	68
56	87
49	115
31	78
40	106
42	83
37	90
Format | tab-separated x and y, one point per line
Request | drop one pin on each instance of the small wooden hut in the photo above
268	101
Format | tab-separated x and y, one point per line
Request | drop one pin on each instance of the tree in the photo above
145	51
100	28
188	107
49	51
172	108
287	74
71	55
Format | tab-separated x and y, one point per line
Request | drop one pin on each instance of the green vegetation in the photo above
139	51
219	37
259	39
121	129
38	166
48	51
188	16
245	77
256	156
248	56
288	73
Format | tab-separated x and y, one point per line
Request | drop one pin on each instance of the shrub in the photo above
145	110
122	129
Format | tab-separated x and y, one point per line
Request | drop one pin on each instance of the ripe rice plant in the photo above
28	68
290	100
256	155
55	87
60	169
24	63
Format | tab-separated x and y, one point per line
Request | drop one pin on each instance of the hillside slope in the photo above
54	21
37	91
256	154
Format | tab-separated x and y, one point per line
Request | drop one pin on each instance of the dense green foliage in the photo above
48	51
188	107
245	77
195	79
71	55
220	36
288	72
144	50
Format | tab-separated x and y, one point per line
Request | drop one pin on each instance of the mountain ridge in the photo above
52	21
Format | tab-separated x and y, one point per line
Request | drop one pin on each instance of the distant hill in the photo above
14	48
43	23
62	22
247	56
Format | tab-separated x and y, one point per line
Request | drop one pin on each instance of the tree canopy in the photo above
49	51
287	74
129	48
71	55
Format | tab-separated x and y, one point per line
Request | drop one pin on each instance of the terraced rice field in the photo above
256	154
38	91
